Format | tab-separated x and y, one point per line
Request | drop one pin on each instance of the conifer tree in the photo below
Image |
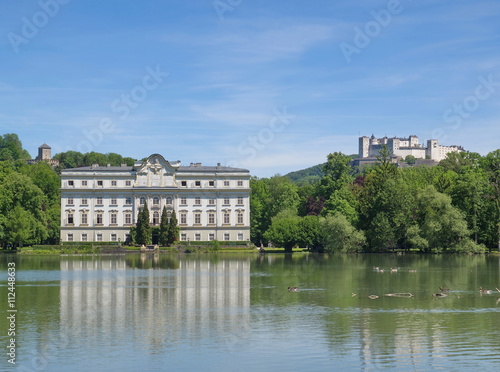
143	235
173	229
164	227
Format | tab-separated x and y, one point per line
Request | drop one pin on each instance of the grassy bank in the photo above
110	249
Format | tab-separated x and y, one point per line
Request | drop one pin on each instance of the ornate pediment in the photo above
155	171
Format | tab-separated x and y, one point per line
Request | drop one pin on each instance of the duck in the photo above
376	268
293	289
373	297
394	269
440	294
444	289
484	291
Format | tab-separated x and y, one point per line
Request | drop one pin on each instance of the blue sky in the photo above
272	86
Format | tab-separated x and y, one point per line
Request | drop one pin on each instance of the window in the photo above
226	183
98	218
226	217
98	200
113	237
99	183
197	218
240	217
128	200
84	237
197	183
240	200
85	201
84	218
142	200
183	183
211	218
128	219
71	183
211	183
197	200
156	218
169	200
113	183
183	201
84	183
128	183
240	237
197	237
156	200
70	201
70	218
183	237
183	218
240	183
211	201
226	201
226	237
211	236
113	201
99	237
70	237
113	218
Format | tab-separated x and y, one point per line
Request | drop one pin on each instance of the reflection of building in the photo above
101	203
103	300
44	154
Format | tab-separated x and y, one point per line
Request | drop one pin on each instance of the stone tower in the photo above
44	152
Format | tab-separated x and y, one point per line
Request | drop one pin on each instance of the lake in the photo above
232	312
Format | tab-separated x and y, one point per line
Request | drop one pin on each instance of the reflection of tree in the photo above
417	329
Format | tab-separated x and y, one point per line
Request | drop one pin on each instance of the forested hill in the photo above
308	175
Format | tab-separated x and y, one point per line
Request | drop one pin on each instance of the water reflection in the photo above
103	300
144	312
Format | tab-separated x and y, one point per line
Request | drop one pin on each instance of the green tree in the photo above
442	227
45	178
337	174
259	211
164	227
458	161
143	227
69	159
173	229
284	230
491	165
19	226
343	201
11	148
309	235
338	235
410	160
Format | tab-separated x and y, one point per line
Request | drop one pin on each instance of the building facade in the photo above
369	147
101	203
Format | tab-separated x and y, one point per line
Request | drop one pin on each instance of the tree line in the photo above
451	207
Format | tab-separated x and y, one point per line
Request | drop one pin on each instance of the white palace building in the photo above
101	203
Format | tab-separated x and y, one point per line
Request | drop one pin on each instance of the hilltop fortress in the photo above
369	147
